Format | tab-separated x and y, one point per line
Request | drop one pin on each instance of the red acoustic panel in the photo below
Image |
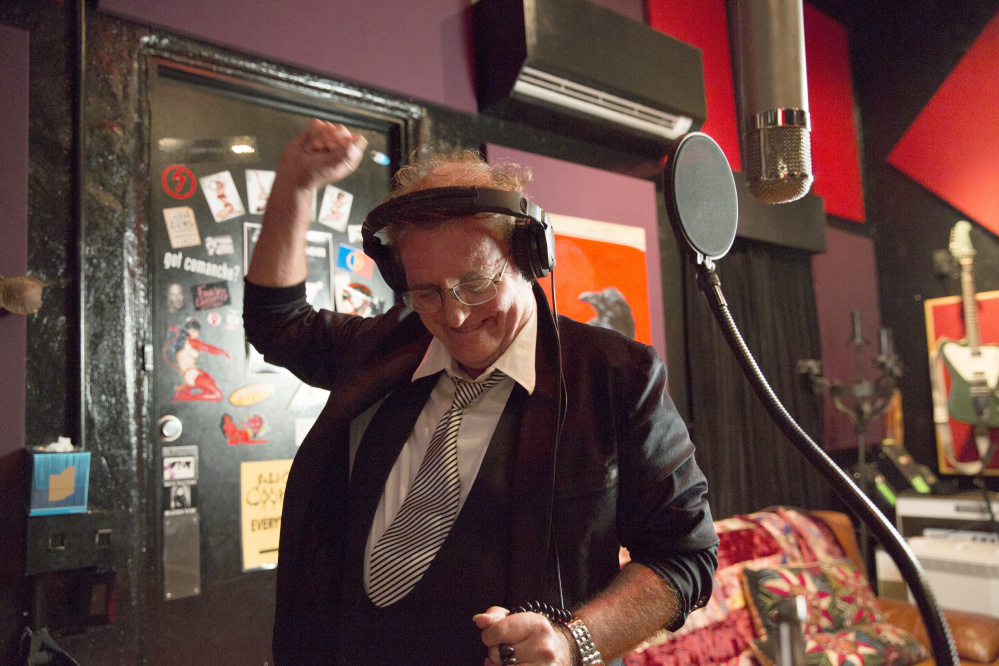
835	157
952	148
702	23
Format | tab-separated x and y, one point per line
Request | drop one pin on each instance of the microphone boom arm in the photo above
941	641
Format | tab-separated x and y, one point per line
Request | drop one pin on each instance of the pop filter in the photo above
701	201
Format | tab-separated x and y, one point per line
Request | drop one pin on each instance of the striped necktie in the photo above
406	549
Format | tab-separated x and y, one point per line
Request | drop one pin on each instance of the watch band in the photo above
587	650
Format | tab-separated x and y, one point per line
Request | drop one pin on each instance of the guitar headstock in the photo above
960	241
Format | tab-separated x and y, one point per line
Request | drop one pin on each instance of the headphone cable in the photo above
563	398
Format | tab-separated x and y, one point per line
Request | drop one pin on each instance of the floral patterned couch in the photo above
779	552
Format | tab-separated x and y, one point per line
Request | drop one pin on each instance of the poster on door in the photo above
261	490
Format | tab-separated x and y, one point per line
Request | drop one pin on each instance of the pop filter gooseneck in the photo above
703	209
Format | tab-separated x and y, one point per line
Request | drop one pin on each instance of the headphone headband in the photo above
534	240
452	202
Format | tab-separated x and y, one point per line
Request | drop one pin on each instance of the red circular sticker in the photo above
214	318
178	181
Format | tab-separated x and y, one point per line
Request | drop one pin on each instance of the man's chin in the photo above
478	362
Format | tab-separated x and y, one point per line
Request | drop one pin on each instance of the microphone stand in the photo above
869	400
791	615
939	634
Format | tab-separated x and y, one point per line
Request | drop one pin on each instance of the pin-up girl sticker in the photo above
222	196
258	189
335	209
181	353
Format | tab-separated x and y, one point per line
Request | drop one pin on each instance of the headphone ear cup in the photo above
521	241
534	247
390	269
393	274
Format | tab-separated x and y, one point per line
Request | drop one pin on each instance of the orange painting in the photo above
600	275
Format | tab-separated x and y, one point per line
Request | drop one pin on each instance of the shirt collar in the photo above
517	361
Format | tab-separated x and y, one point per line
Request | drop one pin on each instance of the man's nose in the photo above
454	311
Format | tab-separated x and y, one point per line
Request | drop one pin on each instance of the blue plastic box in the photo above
59	483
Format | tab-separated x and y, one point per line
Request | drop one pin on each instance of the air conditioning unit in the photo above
548	61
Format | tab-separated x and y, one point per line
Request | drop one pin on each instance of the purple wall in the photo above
14	50
846	280
423	53
565	188
14	225
421	50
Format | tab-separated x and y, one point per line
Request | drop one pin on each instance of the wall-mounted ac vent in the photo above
533	83
546	59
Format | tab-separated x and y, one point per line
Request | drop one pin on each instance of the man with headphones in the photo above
464	494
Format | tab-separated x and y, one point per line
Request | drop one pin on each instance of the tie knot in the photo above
465	392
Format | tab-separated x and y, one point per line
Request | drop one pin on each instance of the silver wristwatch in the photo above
587	650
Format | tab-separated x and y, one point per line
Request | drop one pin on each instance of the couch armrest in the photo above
976	636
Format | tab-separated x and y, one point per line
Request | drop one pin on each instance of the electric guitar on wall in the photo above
973	367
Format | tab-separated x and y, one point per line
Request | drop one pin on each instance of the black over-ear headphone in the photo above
533	237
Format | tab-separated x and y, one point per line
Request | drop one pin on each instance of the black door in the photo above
226	424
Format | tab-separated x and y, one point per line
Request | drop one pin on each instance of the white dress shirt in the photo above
477	425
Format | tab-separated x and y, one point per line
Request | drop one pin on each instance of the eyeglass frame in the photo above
495	281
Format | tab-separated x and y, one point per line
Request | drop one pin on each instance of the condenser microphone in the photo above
769	44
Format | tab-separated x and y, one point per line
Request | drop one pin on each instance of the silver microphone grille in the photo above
779	163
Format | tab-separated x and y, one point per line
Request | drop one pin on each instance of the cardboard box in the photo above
59	483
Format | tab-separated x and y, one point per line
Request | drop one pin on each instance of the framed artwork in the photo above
605	282
955	365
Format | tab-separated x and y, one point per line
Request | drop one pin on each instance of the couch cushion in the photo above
727	595
852	594
723	631
836	594
975	635
766	588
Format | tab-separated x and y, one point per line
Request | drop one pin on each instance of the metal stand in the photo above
791	616
861	401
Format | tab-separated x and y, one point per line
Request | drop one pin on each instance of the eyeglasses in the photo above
473	292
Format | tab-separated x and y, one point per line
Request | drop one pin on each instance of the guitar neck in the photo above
970	306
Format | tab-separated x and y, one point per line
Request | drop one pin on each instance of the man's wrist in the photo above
575	658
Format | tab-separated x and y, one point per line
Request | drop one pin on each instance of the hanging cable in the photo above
78	168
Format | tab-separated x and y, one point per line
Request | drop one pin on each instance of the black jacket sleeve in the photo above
663	515
282	326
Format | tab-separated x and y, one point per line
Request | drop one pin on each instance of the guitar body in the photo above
974	375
